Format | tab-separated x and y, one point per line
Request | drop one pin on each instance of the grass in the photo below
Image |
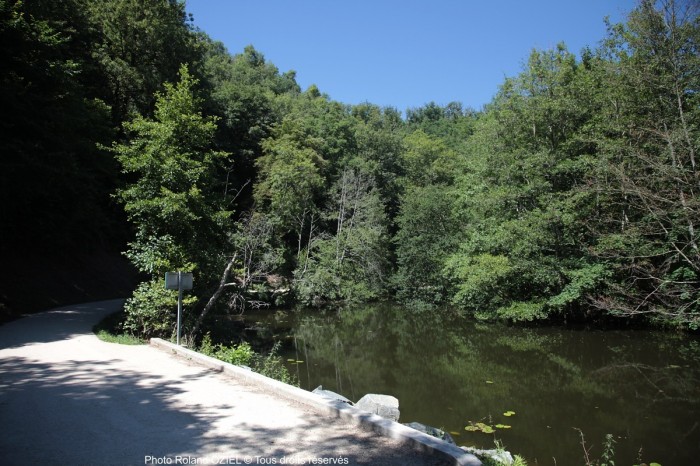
109	328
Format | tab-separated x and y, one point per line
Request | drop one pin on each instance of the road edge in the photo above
417	440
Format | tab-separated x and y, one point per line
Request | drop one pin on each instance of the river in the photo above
541	389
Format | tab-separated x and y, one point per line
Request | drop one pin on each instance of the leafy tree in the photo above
299	163
580	187
574	193
172	201
520	198
453	124
427	160
253	259
290	181
243	90
647	178
378	139
427	235
349	265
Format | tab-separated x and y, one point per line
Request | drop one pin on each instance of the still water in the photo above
642	387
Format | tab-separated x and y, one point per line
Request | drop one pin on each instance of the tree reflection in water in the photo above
641	386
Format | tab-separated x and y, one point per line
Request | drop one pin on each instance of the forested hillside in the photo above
573	195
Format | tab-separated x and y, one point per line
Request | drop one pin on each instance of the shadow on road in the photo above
110	416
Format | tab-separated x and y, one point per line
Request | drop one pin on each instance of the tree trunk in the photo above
215	296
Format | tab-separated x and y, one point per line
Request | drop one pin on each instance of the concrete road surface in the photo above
68	398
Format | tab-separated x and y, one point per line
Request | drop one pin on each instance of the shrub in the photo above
152	310
269	365
240	355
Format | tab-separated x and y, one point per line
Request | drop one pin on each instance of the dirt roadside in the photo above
68	398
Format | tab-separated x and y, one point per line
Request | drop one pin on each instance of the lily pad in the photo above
489	381
480	427
502	426
509	413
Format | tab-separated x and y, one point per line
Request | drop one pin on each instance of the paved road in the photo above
68	398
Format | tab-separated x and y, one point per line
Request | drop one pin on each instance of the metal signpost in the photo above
178	281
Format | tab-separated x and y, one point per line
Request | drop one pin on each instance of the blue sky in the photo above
405	53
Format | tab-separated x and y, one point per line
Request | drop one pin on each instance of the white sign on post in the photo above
178	281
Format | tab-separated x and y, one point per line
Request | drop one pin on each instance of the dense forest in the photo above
571	196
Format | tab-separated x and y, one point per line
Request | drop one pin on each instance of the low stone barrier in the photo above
415	439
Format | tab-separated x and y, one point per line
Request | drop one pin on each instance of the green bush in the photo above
240	355
152	310
269	365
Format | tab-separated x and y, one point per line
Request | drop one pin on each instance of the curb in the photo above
373	422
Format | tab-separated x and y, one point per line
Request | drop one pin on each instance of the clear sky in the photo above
405	53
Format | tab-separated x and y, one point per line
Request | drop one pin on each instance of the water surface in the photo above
642	387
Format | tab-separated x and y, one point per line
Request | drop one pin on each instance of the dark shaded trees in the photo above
139	45
72	72
53	176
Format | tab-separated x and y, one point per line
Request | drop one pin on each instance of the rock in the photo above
385	406
331	395
499	456
432	431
